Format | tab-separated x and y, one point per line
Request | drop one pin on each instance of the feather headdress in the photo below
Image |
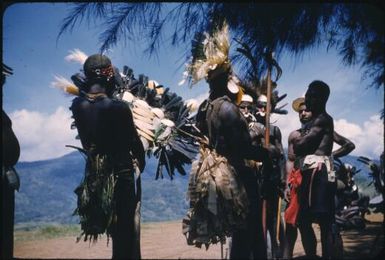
65	85
161	117
76	55
209	52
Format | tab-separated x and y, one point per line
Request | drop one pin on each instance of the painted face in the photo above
261	108
304	115
245	107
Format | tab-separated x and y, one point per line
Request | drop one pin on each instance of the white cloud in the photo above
368	137
43	136
287	124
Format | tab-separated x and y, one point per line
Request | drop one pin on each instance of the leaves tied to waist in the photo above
96	204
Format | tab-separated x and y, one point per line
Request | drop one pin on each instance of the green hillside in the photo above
46	193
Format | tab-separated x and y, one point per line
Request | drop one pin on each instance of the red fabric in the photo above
291	212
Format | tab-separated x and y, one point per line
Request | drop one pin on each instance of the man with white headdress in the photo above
276	178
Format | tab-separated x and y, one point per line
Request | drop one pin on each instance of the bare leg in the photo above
309	241
326	239
291	235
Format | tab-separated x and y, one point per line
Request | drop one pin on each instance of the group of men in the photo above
308	174
107	132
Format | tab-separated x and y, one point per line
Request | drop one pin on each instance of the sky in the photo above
41	118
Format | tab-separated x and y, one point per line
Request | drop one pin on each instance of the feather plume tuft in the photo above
76	55
65	85
209	52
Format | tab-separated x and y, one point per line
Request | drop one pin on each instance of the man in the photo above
9	179
246	107
277	178
221	121
108	135
318	186
294	175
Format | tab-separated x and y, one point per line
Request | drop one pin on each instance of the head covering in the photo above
262	101
210	58
247	98
152	84
98	66
297	103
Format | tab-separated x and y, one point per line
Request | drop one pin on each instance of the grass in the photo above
41	231
45	231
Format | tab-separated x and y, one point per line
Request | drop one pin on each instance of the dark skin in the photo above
275	148
108	124
346	147
230	137
318	141
11	148
11	153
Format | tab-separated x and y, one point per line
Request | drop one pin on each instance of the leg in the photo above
124	242
7	219
249	242
271	223
291	234
326	238
309	241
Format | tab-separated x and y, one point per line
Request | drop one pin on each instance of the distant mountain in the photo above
46	191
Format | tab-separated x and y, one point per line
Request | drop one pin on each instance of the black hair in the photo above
322	89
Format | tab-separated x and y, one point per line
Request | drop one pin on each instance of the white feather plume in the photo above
76	55
65	85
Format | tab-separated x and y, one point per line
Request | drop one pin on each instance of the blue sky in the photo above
40	114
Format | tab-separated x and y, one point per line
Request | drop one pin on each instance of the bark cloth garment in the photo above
218	199
317	189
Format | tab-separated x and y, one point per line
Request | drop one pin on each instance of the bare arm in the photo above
319	140
346	145
290	161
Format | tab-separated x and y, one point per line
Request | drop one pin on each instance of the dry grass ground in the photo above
166	241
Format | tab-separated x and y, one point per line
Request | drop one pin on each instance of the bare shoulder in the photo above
323	119
228	111
293	135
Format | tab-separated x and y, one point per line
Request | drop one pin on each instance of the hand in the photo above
281	189
287	194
